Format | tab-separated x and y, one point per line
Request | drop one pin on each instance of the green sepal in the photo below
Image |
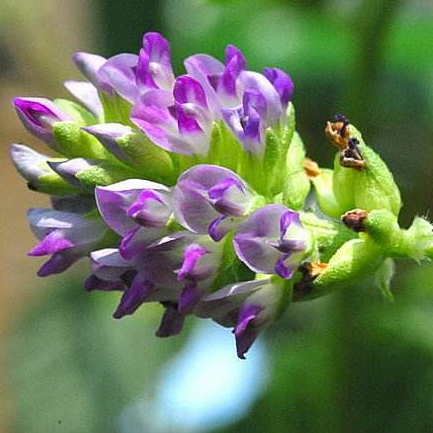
224	150
73	142
78	113
417	241
328	235
383	277
276	161
296	184
148	159
383	228
103	174
51	183
323	185
353	262
116	109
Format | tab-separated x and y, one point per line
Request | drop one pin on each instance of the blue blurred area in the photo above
204	387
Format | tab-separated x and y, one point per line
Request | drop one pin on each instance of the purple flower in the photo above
272	240
154	70
247	306
137	210
282	82
181	123
38	116
219	81
260	109
210	200
63	235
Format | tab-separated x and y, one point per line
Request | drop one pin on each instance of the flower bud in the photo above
34	167
135	150
39	115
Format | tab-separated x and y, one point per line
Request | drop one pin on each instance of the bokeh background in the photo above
347	363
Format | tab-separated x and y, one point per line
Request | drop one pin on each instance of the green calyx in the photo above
370	186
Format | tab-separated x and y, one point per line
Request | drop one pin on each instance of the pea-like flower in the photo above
272	240
210	200
66	236
137	210
247	307
38	116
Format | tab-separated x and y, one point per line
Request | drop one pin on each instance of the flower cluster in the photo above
190	191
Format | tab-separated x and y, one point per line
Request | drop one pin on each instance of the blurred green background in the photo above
347	363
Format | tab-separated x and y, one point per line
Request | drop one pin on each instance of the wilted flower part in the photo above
63	235
38	116
210	200
247	306
154	70
87	94
272	240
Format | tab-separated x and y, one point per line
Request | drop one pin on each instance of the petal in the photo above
138	239
220	226
245	331
69	169
192	205
29	163
89	65
187	89
87	94
188	299
95	283
207	71
108	134
258	83
133	297
150	209
154	68
58	263
282	82
235	63
192	255
119	73
38	115
109	265
53	242
172	321
221	304
114	200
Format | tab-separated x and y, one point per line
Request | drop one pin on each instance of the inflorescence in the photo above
195	192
